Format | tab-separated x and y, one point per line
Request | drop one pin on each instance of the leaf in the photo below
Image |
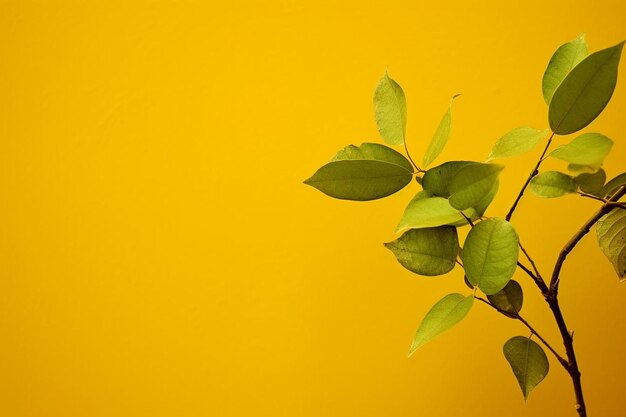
585	91
359	180
390	110
588	149
613	185
528	362
517	141
591	183
472	183
447	312
582	169
490	254
611	233
484	203
551	184
436	179
562	62
509	299
431	251
440	138
424	211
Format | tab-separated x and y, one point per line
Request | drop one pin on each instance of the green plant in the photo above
576	87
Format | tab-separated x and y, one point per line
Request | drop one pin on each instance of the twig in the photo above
537	276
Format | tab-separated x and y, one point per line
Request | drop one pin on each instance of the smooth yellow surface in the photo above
160	256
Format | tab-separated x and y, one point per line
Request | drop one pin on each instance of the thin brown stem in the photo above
406	149
537	276
591	196
534	172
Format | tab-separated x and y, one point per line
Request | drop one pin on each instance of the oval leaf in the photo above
472	183
440	138
591	183
611	233
436	179
373	152
390	110
490	255
424	211
359	180
447	312
585	91
509	299
517	141
562	62
528	362
588	149
430	251
613	185
552	184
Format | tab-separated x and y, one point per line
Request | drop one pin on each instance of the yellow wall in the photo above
160	256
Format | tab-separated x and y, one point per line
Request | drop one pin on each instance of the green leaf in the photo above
373	152
552	184
613	185
528	362
517	141
562	62
425	211
509	299
440	138
484	203
436	179
390	110
446	313
611	233
585	91
582	169
431	251
591	183
472	183
490	254
588	149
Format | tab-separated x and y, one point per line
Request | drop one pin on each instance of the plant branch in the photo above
591	196
561	360
543	287
534	172
406	149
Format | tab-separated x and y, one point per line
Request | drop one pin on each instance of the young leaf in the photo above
613	185
440	138
390	110
585	91
517	141
490	255
552	184
562	62
424	211
528	362
431	251
588	149
447	312
582	169
359	180
611	233
472	183
436	179
373	152
509	299
591	183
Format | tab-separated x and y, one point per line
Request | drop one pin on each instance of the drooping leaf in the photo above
562	62
437	178
472	183
517	141
423	211
390	110
431	251
528	362
373	152
447	312
585	91
484	203
591	183
588	149
440	138
611	233
551	184
613	185
359	180
582	169
490	254
509	299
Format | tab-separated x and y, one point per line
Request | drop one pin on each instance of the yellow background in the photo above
160	256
